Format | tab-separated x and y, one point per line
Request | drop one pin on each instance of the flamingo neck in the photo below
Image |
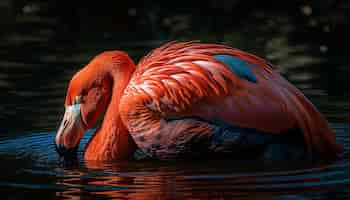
112	140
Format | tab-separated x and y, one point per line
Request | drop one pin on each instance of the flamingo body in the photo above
238	66
192	99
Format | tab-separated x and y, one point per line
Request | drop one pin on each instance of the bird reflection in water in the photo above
154	180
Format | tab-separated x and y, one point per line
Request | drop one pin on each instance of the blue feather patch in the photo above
238	66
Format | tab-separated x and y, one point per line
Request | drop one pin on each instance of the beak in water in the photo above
70	132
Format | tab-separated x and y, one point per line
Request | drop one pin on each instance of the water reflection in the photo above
38	169
203	180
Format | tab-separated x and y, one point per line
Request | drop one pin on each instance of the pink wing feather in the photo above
181	80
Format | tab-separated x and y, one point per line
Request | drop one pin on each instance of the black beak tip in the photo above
66	154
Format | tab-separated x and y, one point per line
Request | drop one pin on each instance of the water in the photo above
41	50
36	171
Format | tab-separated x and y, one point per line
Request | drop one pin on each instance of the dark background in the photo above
42	43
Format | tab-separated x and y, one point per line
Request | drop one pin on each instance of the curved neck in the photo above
112	140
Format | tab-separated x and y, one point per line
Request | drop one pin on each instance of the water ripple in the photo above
36	167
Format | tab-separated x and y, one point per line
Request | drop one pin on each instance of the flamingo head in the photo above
87	99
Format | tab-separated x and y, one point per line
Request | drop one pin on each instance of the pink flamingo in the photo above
189	99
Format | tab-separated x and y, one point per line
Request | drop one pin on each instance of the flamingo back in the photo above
218	82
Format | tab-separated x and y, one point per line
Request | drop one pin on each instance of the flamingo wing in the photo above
215	82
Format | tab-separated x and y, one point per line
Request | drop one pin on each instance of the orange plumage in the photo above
172	98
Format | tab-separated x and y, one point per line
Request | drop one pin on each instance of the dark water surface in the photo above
30	167
36	65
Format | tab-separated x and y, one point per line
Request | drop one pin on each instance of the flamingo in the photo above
188	100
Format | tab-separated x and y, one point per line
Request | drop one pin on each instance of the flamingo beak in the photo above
70	132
